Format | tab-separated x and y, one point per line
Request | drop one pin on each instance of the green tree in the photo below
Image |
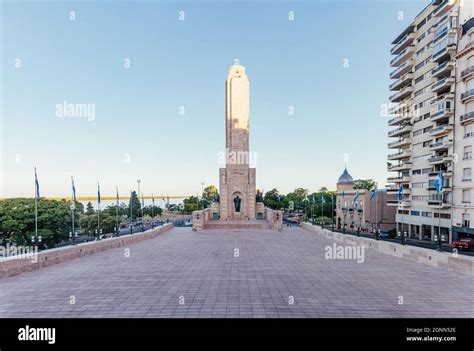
155	210
190	204
17	220
298	196
208	195
136	206
274	200
368	184
90	209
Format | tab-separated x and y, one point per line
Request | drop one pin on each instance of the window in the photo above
415	213
427	170
466	174
470	61
416	171
467	152
418	132
466	196
470	84
426	214
465	220
468	130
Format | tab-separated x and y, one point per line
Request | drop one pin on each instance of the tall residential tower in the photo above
428	136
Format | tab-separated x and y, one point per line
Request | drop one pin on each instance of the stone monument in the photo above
237	180
236	207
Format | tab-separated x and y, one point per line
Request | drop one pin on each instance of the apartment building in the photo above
430	111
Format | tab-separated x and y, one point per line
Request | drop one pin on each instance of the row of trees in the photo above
17	218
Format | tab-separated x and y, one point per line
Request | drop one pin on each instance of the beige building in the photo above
428	136
463	187
360	210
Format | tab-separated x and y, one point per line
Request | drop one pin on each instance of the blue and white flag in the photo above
323	200
439	182
354	200
98	193
143	201
399	194
37	186
375	192
73	190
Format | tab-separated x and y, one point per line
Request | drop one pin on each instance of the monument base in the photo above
209	219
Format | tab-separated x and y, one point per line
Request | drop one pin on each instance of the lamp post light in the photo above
344	211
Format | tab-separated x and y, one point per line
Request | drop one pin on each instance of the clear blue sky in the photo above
185	63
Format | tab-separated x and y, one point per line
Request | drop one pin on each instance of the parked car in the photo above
464	243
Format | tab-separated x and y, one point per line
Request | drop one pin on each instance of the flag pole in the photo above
36	208
117	211
131	212
73	206
98	211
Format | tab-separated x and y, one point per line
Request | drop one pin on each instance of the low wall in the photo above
11	266
445	260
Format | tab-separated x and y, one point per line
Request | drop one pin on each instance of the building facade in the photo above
428	136
357	208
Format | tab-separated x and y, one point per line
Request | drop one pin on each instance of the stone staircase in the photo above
237	224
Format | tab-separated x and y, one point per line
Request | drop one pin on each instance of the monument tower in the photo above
237	180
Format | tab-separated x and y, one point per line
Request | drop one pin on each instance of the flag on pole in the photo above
323	200
116	191
153	200
98	193
143	201
439	182
73	205
399	194
354	200
37	186
375	192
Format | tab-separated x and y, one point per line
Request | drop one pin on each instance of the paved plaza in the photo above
236	273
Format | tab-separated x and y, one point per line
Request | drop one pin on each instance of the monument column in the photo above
237	179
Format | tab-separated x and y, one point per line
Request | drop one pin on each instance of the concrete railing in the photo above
15	265
445	260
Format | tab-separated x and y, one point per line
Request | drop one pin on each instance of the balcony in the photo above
394	179
400	131
404	55
405	117
399	143
402	94
467	96
442	84
402	69
445	69
441	145
443	8
441	130
444	53
442	107
407	40
440	159
467	118
438	201
446	173
400	167
402	82
467	73
400	155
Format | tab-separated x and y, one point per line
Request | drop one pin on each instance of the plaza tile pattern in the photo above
196	274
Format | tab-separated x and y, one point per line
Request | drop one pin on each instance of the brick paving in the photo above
196	274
